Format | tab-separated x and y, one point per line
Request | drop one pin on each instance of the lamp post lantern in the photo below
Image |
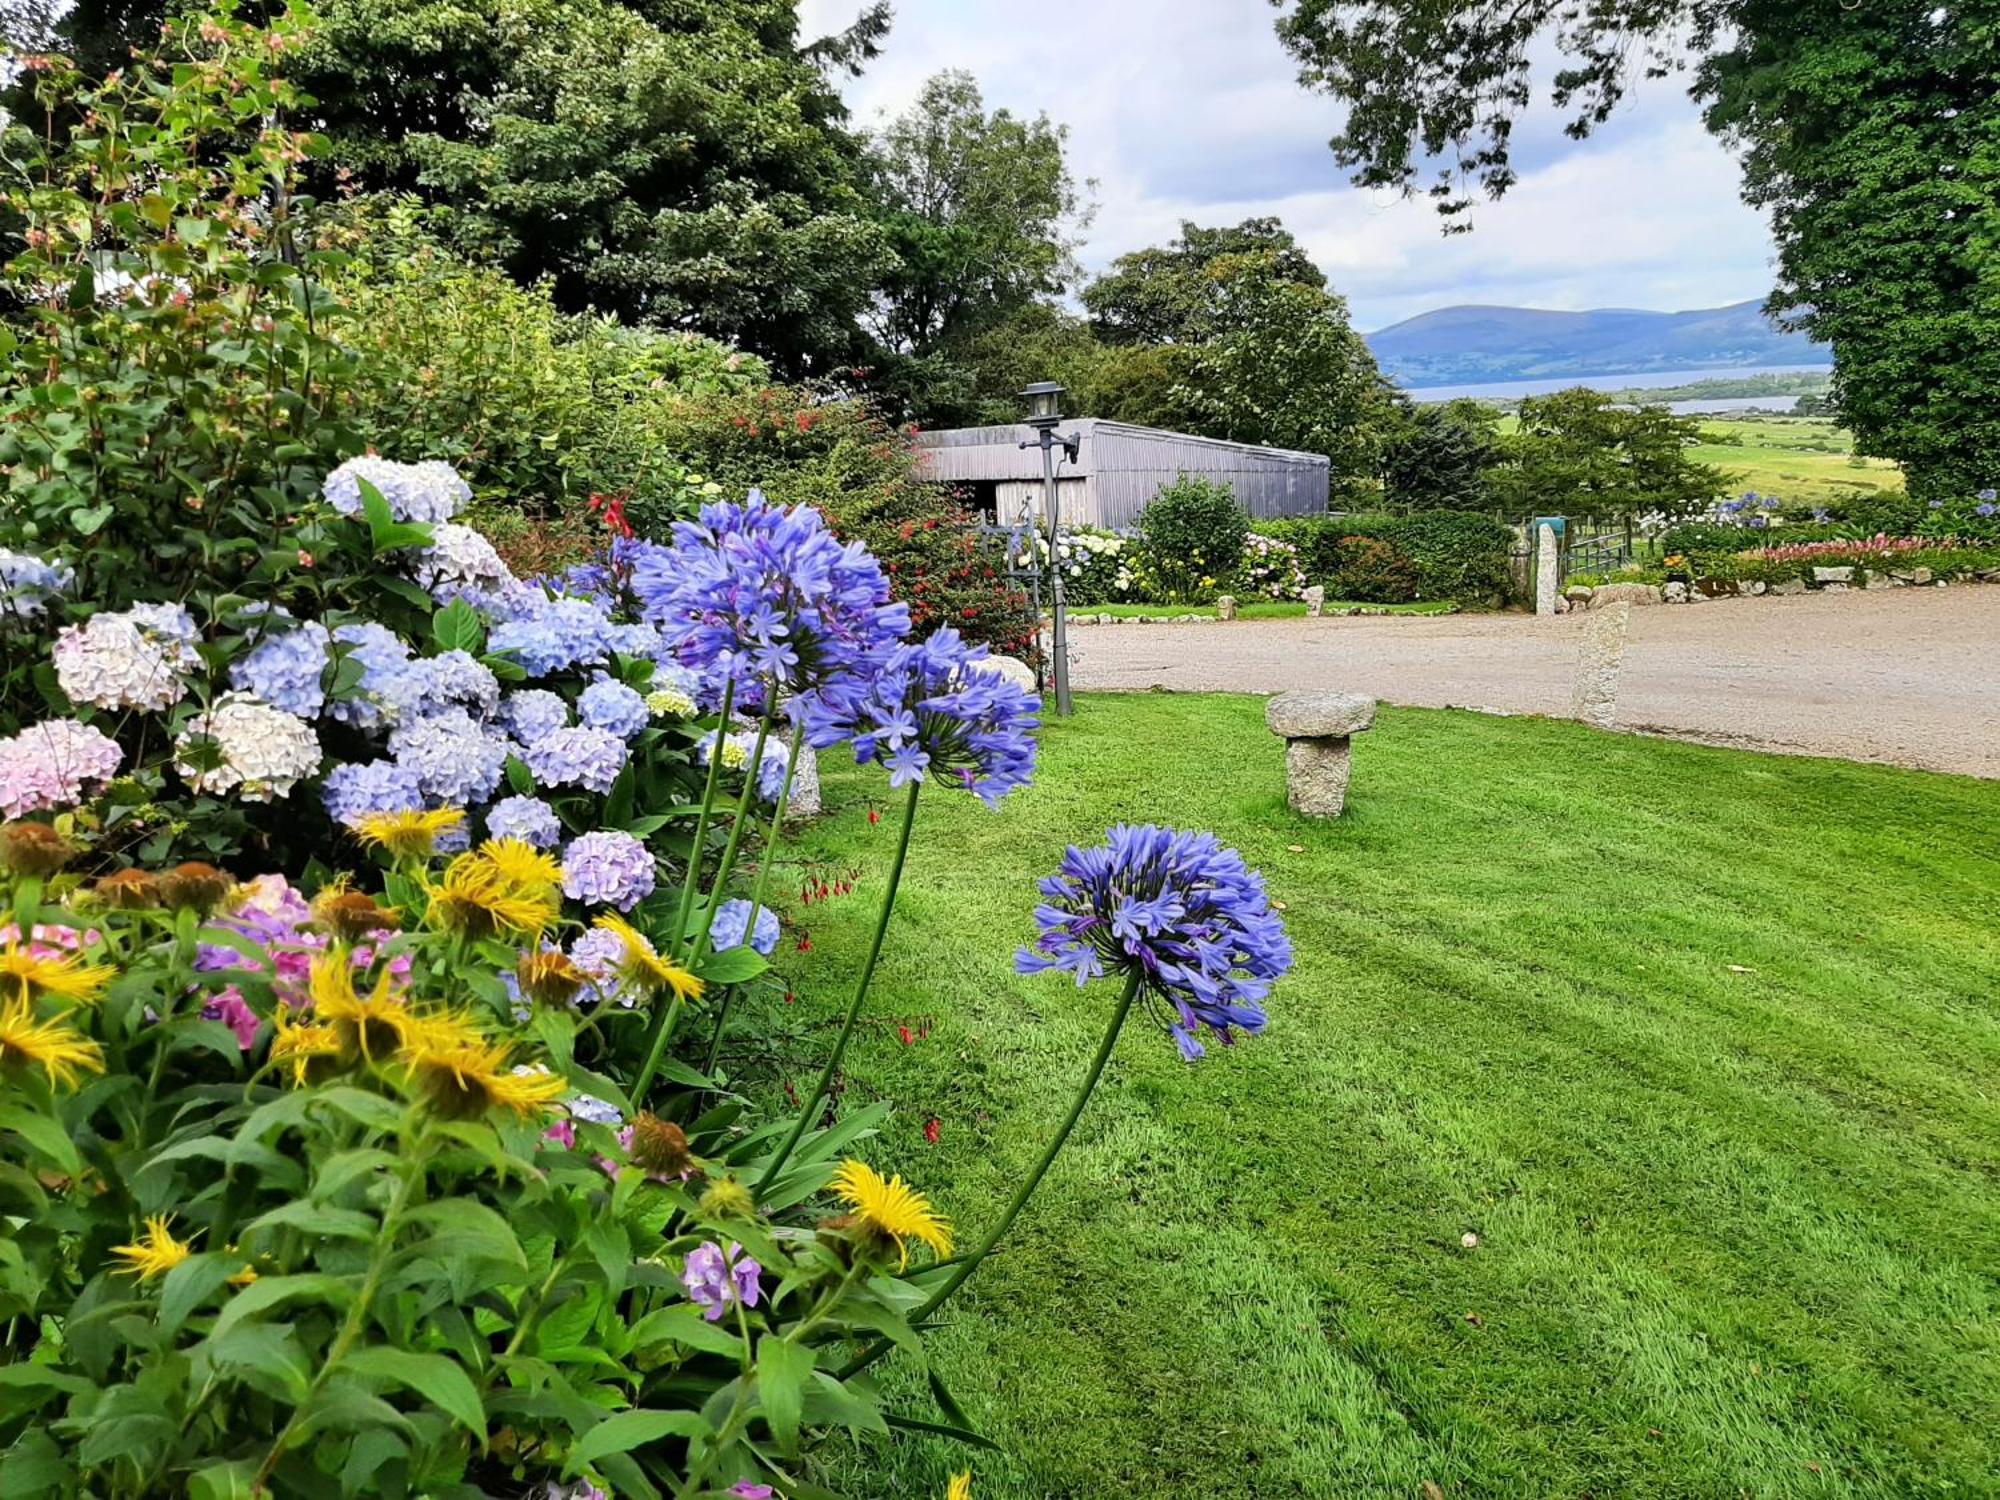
1044	399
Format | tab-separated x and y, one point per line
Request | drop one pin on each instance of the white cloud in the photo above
1191	109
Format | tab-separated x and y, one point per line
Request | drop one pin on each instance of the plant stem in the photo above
971	1263
737	823
811	1106
679	934
757	889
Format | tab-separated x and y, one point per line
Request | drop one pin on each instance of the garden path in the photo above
1909	677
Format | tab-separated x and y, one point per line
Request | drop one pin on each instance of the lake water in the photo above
1646	380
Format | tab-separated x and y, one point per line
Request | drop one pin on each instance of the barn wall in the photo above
1130	464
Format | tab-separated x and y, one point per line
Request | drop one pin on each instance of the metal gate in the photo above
1596	547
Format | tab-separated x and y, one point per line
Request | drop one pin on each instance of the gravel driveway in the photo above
1907	676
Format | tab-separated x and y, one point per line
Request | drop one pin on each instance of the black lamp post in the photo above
1044	413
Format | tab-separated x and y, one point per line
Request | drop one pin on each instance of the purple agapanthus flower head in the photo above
932	711
1176	911
755	591
717	1280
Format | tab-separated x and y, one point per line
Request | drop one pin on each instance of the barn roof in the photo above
963	454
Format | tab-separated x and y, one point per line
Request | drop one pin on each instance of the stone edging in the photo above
1829	580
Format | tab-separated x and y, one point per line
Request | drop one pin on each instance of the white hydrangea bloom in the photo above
428	492
459	558
136	659
260	752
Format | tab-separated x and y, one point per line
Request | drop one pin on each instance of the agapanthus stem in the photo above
811	1106
970	1263
679	935
757	889
738	823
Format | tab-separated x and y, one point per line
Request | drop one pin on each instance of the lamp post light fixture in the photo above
1044	399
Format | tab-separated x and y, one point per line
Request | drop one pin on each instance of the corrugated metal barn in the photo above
1119	470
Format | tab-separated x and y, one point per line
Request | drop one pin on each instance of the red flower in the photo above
874	815
805	942
932	1127
903	1034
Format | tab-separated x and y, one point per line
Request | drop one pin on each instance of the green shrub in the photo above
1457	555
1371	571
1192	538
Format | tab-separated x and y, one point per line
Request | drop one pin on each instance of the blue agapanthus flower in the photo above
351	791
732	922
528	819
755	591
932	712
457	760
608	704
1178	911
286	668
577	756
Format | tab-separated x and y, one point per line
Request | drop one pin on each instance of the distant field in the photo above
1804	459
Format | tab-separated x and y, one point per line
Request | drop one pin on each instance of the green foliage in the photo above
1575	453
1192	540
1176	293
1373	571
536	408
1440	456
1455	555
170	395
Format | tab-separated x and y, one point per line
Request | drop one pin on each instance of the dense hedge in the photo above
1454	554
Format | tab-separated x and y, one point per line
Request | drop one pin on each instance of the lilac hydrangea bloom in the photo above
285	669
532	713
608	868
352	791
456	759
755	591
528	819
732	921
611	705
1175	910
717	1280
932	712
577	756
598	953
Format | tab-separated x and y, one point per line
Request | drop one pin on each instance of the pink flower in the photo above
228	1006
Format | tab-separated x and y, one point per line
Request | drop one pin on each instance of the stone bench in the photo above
1316	727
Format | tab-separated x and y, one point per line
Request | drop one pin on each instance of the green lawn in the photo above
1805	460
1701	1044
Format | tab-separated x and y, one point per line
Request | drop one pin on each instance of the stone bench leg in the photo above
1316	772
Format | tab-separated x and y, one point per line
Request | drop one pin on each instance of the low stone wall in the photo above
1828	580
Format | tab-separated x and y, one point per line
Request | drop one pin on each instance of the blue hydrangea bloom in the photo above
285	669
532	713
458	762
932	712
606	704
28	584
553	635
529	819
577	756
370	787
382	655
429	685
429	491
608	868
754	591
1178	911
732	920
736	752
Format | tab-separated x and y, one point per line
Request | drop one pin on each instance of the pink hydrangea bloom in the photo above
53	764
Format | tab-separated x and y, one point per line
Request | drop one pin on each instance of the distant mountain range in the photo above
1472	345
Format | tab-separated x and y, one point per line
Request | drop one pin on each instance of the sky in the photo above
1190	109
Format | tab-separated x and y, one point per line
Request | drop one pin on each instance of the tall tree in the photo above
1440	456
1870	131
981	214
1168	294
1578	452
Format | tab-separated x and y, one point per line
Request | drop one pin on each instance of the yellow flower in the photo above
65	977
892	1209
467	1078
548	977
521	864
60	1051
155	1252
408	834
372	1025
474	898
304	1046
960	1487
641	965
441	1028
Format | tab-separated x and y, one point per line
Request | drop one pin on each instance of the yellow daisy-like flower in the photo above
521	864
960	1487
476	899
59	1050
59	976
155	1252
372	1025
464	1079
408	834
307	1049
641	965
548	977
892	1209
442	1028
